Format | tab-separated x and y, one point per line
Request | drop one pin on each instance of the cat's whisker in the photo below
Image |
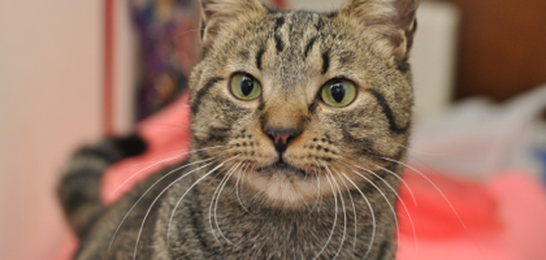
146	192
335	220
413	150
189	189
179	155
318	188
155	201
435	187
253	198
432	183
229	174
397	176
320	194
354	212
384	197
190	152
211	204
402	181
399	198
374	224
410	190
237	188
173	127
172	158
257	194
443	196
321	197
344	217
159	154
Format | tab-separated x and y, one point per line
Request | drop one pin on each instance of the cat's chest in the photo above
229	229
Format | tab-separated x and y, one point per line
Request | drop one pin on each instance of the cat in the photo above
299	123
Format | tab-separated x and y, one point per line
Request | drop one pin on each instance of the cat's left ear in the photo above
220	15
394	20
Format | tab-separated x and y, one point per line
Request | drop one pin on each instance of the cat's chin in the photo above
284	186
282	168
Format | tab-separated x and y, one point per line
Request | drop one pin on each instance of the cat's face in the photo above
297	104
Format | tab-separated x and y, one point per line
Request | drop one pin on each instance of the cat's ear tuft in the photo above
394	20
218	15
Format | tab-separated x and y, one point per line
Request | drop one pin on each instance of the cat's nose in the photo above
281	137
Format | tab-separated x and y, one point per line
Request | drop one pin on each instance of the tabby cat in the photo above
299	123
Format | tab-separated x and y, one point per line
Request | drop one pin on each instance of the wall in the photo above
501	51
50	100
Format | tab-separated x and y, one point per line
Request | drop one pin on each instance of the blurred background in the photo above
74	71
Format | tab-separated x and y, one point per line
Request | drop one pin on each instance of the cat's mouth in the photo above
284	168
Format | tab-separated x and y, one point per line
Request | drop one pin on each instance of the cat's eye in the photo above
245	87
338	92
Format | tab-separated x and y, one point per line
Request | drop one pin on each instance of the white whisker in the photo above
212	203
441	193
386	199
401	180
344	218
335	217
155	125
354	212
433	184
146	192
172	158
318	188
228	175
401	201
156	199
237	188
372	238
188	190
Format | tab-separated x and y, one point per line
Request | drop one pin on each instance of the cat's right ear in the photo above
219	15
393	20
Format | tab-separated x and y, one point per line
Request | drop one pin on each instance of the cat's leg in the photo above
79	187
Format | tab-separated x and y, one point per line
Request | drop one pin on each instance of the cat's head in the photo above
298	104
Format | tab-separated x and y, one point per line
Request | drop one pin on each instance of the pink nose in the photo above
281	137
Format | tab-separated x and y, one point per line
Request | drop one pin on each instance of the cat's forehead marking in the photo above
294	36
298	31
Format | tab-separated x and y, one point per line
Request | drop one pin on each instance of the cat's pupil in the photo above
247	85
338	91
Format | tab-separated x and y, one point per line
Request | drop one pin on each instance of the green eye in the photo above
245	87
338	92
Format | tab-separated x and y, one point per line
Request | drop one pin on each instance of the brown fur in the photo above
334	154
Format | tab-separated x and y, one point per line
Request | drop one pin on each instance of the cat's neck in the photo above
237	220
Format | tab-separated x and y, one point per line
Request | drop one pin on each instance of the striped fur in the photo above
282	176
79	187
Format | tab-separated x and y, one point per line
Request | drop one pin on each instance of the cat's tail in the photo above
80	183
